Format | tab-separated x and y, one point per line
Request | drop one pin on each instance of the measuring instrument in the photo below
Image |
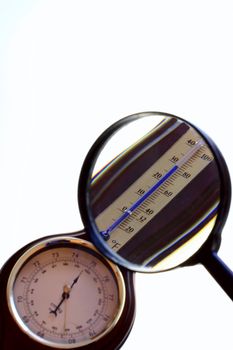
147	212
160	200
63	294
157	201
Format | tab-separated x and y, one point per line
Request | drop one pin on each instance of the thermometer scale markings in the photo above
142	199
188	159
151	199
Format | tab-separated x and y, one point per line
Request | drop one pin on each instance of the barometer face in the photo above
64	294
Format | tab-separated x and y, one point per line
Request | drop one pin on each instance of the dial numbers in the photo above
66	296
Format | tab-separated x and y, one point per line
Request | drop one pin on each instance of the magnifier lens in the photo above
154	196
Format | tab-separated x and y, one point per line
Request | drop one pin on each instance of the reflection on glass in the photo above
159	197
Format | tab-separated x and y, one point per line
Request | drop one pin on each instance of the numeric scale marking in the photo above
71	303
143	199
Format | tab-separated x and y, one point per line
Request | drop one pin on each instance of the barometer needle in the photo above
75	280
65	294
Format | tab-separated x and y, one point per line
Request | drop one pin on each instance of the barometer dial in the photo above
64	294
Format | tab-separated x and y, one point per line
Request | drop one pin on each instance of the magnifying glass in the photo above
154	194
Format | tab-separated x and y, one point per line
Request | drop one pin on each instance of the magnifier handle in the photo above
220	272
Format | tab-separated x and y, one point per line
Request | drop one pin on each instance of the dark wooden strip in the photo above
121	174
182	240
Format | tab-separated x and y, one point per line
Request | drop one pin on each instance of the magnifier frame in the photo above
212	243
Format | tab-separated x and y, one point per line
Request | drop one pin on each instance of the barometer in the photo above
60	292
154	194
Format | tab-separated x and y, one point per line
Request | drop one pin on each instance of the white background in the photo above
68	69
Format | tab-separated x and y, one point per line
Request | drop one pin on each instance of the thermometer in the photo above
166	192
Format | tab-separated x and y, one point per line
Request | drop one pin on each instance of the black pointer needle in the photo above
75	280
65	295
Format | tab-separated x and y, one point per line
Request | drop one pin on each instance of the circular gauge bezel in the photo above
53	243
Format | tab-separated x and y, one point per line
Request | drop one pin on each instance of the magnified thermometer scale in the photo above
142	209
156	193
164	178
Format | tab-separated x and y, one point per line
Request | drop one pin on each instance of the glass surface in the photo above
154	193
